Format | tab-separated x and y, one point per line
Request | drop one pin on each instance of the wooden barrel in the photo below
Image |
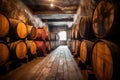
52	36
85	27
18	29
105	21
106	60
31	32
53	44
40	34
69	34
48	35
44	34
48	46
41	48
77	44
69	43
73	32
56	37
86	51
56	43
31	47
4	25
77	31
73	46
4	52
18	49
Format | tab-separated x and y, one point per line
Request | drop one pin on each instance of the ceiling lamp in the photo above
52	5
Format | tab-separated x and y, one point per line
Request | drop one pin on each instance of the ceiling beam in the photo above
58	20
54	12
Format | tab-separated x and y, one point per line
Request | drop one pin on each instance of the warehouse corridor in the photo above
58	65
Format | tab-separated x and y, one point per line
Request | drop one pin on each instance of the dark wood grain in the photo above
58	65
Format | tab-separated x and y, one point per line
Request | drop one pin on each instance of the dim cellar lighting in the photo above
52	5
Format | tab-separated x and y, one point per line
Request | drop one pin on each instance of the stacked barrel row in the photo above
20	41
43	41
54	40
99	43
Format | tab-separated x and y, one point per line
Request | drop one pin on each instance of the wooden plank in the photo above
47	67
17	73
79	75
71	72
53	71
65	68
58	65
59	75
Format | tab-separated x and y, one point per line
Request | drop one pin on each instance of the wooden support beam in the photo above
57	20
54	12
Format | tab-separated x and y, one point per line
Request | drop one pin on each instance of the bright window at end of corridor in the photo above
62	35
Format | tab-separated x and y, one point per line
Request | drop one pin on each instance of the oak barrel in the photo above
40	34
41	47
48	35
31	32
69	34
52	35
48	46
105	20
77	31
18	29
73	32
56	37
31	47
73	46
85	27
86	51
77	44
4	25
106	60
18	49
4	52
53	44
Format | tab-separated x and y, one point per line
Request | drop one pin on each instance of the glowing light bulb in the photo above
51	5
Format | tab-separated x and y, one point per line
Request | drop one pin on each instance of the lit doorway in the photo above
63	37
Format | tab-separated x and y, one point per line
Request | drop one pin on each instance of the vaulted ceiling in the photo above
62	13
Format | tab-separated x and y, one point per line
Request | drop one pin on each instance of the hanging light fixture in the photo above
52	5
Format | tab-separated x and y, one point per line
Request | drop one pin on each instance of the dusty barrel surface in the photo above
4	52
40	34
73	32
85	27
86	51
105	20
77	44
18	49
73	46
77	32
53	44
18	29
106	60
31	32
48	46
47	35
52	36
69	34
57	37
4	25
41	47
31	47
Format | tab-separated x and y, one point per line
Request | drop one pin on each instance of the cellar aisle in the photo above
58	65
